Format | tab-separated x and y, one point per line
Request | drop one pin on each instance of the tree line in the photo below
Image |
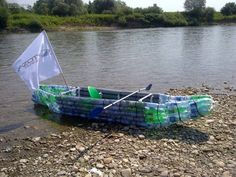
195	12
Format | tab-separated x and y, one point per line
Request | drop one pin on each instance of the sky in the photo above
166	5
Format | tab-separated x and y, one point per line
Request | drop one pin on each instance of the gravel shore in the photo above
205	147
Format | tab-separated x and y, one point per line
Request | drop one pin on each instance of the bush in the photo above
122	21
174	19
136	20
194	17
3	17
34	26
155	20
209	14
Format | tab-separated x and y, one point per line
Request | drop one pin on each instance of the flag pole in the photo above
50	45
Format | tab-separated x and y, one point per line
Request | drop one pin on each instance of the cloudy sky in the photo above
166	5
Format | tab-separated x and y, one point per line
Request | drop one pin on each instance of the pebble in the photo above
145	170
117	140
219	163
211	138
2	174
226	174
196	152
45	155
176	175
8	149
208	121
120	134
4	170
23	160
126	172
36	139
141	137
164	173
72	149
81	149
125	160
99	165
107	160
61	173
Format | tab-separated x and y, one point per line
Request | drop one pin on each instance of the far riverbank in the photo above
29	22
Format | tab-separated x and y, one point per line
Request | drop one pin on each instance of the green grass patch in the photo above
28	20
219	17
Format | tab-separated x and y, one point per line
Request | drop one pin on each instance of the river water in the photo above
120	59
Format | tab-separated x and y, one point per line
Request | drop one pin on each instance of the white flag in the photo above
37	63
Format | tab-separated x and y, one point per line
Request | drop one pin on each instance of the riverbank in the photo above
29	22
206	147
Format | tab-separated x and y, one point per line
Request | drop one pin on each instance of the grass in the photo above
26	20
220	18
34	22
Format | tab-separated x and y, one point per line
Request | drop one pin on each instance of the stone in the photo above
8	149
107	160
81	149
226	174
23	160
196	152
99	165
88	175
219	163
164	174
2	174
211	138
117	140
61	173
125	160
145	170
120	134
27	127
78	145
45	155
141	137
126	172
36	139
208	121
72	149
176	175
4	170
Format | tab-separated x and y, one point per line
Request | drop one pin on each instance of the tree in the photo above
90	7
121	8
209	14
15	8
3	3
41	7
153	9
229	9
3	17
103	6
190	5
61	9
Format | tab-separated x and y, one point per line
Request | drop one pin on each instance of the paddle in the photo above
141	99
95	112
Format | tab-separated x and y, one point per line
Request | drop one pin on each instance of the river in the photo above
120	59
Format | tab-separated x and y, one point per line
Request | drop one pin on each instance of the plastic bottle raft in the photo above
141	109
